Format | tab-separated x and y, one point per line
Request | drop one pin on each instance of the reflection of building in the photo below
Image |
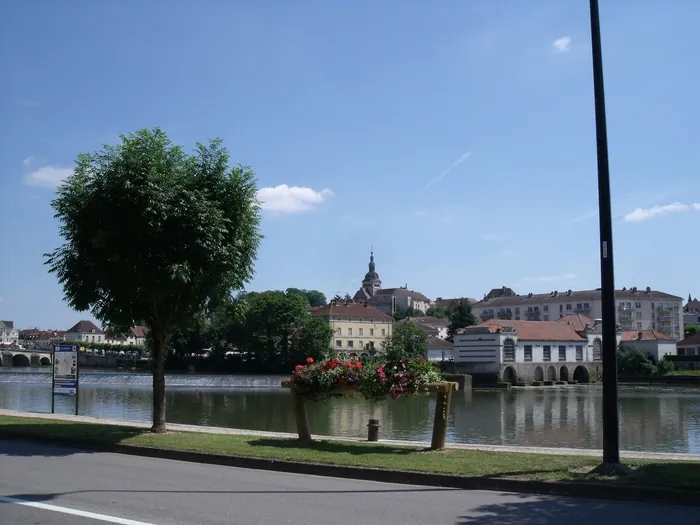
636	309
357	328
526	351
349	418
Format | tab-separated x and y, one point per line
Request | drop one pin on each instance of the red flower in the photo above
358	365
309	360
298	367
425	362
348	364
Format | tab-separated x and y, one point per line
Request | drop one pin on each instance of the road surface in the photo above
49	485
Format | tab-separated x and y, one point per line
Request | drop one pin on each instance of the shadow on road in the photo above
326	446
540	510
62	434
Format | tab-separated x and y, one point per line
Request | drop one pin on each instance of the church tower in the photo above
370	284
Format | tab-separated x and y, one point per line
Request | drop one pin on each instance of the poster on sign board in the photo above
65	370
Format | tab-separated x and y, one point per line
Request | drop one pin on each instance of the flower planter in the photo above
443	389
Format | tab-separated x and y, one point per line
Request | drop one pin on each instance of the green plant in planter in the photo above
374	378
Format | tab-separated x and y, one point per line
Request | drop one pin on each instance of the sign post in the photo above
65	380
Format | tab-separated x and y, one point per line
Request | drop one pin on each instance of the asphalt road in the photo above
48	485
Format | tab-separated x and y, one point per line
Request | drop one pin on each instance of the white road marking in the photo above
72	512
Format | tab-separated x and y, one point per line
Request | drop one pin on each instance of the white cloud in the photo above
494	237
452	166
46	176
643	214
291	199
553	278
562	45
28	161
696	206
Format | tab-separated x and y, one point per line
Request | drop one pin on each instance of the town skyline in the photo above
460	144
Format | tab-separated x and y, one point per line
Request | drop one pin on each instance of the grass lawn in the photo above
453	461
684	373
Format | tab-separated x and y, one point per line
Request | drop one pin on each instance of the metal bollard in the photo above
373	430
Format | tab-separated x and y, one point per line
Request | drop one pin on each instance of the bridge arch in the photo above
581	374
20	360
45	361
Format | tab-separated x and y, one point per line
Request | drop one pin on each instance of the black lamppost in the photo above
611	431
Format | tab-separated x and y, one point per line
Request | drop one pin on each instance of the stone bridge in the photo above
11	357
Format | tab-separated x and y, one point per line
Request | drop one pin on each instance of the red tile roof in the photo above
644	335
537	330
578	321
139	331
351	310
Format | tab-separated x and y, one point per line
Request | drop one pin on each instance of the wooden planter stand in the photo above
442	410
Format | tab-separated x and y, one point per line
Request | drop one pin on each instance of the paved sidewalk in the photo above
243	432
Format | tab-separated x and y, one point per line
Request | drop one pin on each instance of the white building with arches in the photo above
532	351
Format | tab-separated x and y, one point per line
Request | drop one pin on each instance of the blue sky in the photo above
455	137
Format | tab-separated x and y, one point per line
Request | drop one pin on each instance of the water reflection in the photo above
655	419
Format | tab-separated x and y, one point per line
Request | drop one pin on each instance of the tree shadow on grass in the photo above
541	510
55	439
355	449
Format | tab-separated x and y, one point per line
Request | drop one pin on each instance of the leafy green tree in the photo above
312	339
271	324
313	297
438	311
691	329
407	340
633	361
156	235
461	317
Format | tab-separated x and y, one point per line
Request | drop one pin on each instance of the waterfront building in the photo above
9	335
85	331
439	349
357	328
637	309
528	351
136	335
655	344
691	312
690	345
433	326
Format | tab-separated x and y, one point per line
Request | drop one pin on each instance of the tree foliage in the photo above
156	235
633	361
313	297
408	340
438	311
691	329
461	317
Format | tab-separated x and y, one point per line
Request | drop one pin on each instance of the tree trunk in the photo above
158	369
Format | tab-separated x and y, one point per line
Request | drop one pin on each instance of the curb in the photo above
566	489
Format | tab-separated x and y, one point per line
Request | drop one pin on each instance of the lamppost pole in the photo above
611	431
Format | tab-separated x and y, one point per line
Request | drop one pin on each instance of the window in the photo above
362	331
350	344
638	315
528	353
545	308
639	326
579	306
561	308
371	331
568	307
529	309
579	352
597	353
383	331
338	344
339	331
362	344
637	305
360	319
562	352
587	306
517	311
546	353
546	317
350	332
508	350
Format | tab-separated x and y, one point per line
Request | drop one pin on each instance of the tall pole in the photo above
611	431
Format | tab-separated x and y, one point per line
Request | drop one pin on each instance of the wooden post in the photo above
442	412
301	417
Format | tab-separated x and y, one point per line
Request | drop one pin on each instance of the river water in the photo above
654	419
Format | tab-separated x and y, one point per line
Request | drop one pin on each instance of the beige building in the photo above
357	328
636	309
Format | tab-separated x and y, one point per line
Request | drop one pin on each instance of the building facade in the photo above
636	309
392	300
690	345
530	351
85	331
9	335
357	328
655	344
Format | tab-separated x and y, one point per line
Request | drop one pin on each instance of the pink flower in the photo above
309	360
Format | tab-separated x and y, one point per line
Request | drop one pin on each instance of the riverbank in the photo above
552	473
